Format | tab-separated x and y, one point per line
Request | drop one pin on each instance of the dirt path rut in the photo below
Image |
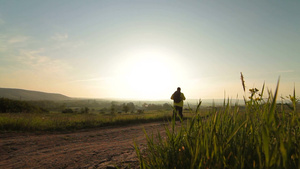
95	148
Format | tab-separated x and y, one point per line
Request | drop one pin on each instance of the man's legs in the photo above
180	112
178	109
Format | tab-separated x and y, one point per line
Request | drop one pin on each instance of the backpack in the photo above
176	97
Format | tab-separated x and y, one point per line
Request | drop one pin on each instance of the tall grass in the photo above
263	135
66	122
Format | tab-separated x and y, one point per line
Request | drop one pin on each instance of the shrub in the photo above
140	111
67	111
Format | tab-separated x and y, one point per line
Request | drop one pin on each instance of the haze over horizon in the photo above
145	49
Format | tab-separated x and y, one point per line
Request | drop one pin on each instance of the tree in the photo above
167	106
140	111
16	106
131	106
67	111
103	110
84	110
125	108
112	108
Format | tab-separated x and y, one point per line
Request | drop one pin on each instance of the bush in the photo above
67	111
140	111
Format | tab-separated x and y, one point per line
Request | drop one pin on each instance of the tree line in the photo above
16	106
77	106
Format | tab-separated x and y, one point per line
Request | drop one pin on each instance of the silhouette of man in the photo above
178	98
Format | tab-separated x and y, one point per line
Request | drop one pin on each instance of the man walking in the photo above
178	98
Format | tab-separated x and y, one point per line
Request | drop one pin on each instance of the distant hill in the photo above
20	94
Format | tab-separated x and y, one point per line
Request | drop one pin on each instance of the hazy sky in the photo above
146	49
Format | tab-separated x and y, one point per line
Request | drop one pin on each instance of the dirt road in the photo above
94	148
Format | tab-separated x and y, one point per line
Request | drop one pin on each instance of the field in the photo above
71	122
59	140
262	133
265	134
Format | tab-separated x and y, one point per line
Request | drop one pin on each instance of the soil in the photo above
94	148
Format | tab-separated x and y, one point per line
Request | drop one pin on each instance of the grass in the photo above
65	122
263	135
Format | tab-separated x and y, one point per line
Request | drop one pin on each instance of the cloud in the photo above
285	71
18	51
17	39
60	37
3	45
2	48
10	43
35	60
86	80
97	79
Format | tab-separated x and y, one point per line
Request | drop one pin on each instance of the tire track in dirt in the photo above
94	148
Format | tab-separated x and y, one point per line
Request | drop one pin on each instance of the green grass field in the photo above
66	122
264	134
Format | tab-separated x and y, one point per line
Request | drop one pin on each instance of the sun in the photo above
148	77
148	74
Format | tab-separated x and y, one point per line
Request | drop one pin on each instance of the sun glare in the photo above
148	74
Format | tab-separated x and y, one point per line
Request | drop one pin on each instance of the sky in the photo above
145	49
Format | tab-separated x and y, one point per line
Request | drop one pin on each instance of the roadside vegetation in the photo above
265	134
71	115
69	122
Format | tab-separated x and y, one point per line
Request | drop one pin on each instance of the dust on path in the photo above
94	148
